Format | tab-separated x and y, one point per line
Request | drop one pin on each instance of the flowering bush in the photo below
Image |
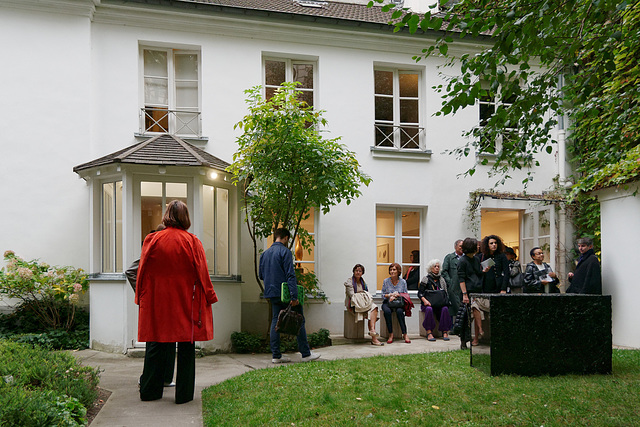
47	290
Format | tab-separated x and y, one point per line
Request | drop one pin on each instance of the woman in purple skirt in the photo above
432	282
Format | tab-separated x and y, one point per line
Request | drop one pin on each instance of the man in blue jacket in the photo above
276	267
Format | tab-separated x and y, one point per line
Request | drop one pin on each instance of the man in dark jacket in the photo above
276	267
587	278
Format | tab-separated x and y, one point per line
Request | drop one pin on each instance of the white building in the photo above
105	75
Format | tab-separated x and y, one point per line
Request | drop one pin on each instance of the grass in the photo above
431	389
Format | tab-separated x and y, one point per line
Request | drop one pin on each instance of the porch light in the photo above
213	175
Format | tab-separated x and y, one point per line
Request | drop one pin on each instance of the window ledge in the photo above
396	153
112	277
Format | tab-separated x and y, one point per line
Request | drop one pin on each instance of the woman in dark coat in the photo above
175	293
537	274
433	281
496	279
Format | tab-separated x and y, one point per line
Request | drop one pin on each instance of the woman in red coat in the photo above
175	293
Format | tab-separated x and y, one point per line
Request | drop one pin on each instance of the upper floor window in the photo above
397	109
488	105
278	71
171	92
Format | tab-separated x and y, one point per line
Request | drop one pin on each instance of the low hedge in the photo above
246	342
40	387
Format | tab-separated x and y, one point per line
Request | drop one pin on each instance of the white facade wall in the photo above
619	213
83	77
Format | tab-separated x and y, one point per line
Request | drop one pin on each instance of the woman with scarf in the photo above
433	281
360	302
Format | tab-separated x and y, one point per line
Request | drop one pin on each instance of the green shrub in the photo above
246	342
23	326
40	387
50	292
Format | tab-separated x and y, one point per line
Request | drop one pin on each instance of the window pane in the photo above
383	81
270	91
155	63
186	94
486	111
208	229
186	66
411	224
527	221
108	227
275	72
176	191
409	111
309	223
408	246
384	108
384	135
303	73
151	209
544	226
306	96
156	119
118	237
156	91
408	84
222	234
385	223
385	250
409	137
187	124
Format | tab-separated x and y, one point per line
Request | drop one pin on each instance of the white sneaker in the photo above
283	359
312	356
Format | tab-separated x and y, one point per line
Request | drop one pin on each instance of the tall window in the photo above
278	71
538	229
215	238
154	197
112	227
304	259
488	105
171	92
398	234
397	109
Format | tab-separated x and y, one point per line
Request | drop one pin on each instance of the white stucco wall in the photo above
82	77
619	213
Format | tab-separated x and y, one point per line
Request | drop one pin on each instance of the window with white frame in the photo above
111	227
171	98
487	107
278	71
398	234
215	239
304	259
397	109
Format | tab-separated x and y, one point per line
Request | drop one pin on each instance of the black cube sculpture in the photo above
548	334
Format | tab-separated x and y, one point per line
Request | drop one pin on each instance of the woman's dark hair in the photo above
469	246
177	215
398	267
358	266
533	250
484	245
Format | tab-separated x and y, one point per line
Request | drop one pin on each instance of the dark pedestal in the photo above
547	334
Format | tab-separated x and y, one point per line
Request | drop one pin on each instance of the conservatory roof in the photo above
167	150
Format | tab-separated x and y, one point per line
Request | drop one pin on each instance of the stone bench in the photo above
397	332
353	329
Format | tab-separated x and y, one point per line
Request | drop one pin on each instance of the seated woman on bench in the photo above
360	302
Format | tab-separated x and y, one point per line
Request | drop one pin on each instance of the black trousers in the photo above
157	358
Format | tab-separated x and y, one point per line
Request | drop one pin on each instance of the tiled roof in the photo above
160	150
327	9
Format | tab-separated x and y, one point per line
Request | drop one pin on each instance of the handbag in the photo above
437	298
285	295
289	321
396	303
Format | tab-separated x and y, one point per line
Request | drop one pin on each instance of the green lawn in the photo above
430	389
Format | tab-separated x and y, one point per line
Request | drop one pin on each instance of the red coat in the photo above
174	290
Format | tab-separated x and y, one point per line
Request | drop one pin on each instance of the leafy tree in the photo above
286	167
553	58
